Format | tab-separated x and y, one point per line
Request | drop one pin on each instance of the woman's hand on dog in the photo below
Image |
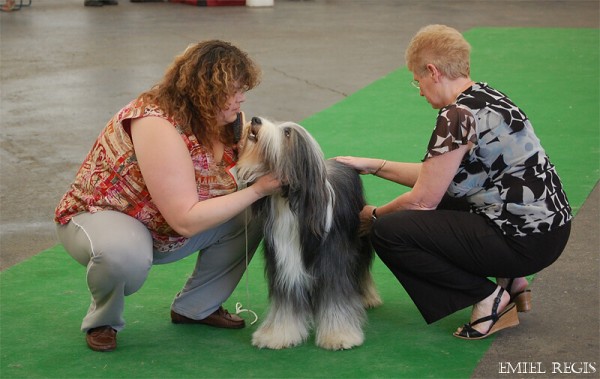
266	185
366	220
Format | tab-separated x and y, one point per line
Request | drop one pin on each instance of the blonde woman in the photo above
485	201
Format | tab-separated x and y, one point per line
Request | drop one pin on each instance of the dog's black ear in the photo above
237	127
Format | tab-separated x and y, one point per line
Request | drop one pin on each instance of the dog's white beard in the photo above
249	173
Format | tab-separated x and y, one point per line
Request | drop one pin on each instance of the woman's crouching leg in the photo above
117	250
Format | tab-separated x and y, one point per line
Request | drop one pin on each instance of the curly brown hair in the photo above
196	86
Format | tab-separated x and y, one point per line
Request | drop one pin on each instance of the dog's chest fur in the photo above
285	241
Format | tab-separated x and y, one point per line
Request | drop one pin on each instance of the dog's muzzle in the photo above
255	125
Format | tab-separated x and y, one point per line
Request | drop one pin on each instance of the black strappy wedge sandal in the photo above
522	299
506	319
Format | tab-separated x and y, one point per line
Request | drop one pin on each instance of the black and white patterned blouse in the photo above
506	175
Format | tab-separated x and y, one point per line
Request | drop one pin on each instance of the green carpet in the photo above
551	73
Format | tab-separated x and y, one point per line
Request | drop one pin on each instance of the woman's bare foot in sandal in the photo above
484	307
490	315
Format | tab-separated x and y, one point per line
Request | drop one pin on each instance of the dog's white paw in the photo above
279	337
340	340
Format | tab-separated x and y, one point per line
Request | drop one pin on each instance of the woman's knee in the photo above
391	231
120	248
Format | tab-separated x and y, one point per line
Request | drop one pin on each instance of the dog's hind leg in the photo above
368	290
369	295
285	326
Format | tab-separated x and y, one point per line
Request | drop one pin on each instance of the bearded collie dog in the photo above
317	265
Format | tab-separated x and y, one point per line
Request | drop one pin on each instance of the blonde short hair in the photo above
442	46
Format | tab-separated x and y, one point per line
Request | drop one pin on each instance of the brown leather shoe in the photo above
220	319
102	338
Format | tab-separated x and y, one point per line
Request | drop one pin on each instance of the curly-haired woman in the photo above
158	185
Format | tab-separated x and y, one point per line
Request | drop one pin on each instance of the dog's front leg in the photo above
286	326
370	296
290	315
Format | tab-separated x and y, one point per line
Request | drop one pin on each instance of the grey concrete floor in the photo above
66	69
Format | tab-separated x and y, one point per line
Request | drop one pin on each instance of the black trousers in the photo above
444	257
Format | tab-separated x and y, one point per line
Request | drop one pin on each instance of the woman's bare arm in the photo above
168	171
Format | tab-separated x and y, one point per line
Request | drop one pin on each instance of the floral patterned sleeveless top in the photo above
506	176
110	177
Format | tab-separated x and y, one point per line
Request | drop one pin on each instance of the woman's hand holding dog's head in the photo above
266	185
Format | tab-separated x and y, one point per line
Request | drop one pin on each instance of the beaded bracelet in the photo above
380	167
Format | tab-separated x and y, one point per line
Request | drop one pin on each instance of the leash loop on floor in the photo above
239	309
